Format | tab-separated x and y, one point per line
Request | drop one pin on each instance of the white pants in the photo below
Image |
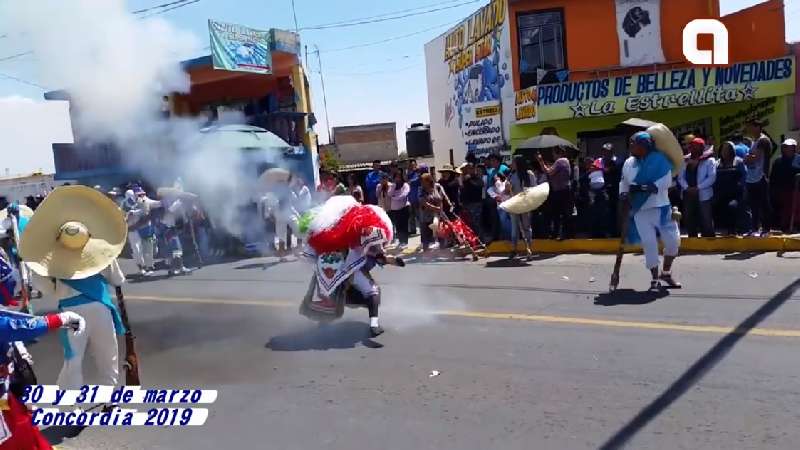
142	249
99	340
284	221
364	284
648	221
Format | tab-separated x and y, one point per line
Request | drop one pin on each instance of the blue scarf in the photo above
652	168
92	289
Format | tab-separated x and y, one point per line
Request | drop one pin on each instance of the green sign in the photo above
655	91
238	48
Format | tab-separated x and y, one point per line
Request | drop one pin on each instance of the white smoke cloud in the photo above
115	66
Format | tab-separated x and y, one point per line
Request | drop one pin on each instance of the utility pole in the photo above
324	97
294	13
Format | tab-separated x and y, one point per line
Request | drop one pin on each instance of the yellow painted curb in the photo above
721	244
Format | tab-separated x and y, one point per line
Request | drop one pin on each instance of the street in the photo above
476	356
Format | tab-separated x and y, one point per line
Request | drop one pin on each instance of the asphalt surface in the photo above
476	356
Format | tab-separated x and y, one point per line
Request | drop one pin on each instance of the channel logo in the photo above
719	54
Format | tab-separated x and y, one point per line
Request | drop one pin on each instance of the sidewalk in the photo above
777	243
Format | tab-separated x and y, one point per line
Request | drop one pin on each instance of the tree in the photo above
329	160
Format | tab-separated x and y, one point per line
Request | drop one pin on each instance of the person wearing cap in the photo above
71	244
782	183
729	199
141	232
757	180
697	183
646	178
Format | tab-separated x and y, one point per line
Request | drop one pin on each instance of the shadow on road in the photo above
629	297
341	335
56	435
262	266
506	262
699	369
741	256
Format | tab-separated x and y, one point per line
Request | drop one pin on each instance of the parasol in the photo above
546	141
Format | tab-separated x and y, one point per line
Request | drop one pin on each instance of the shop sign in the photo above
471	40
525	101
679	88
483	128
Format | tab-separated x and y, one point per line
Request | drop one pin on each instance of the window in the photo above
541	46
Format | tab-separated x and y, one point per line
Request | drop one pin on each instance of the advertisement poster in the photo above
639	31
525	102
238	48
483	128
679	88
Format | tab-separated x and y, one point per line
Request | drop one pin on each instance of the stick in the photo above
23	272
131	358
625	206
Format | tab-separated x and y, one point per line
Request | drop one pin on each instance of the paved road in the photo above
528	357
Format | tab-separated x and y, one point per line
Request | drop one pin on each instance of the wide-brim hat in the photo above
76	233
447	168
173	192
527	201
668	143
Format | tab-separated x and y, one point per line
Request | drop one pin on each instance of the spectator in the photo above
449	182
697	183
561	199
354	189
494	228
472	189
500	193
757	184
520	179
782	183
374	178
730	213
399	207
433	202
414	173
598	200
382	193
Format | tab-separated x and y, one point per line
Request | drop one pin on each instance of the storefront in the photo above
714	101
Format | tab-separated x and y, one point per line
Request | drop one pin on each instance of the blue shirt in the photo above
491	172
414	182
373	179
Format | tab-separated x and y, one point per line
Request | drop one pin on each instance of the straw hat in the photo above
76	233
447	168
667	143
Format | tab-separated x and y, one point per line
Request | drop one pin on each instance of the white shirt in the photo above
56	289
706	176
629	171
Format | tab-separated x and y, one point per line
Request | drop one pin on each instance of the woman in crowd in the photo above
450	183
561	200
399	207
500	193
433	201
730	211
472	189
520	179
354	189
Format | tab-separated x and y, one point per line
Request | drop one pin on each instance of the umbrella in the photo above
546	141
274	176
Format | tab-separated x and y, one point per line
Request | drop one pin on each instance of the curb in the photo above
610	246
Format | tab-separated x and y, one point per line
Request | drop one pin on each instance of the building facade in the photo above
578	68
366	143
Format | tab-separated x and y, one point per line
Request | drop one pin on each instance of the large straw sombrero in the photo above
528	200
76	233
667	143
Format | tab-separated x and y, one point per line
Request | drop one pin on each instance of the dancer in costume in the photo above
17	432
13	220
176	203
141	232
646	178
71	244
346	241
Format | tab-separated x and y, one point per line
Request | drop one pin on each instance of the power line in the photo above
20	80
383	41
402	11
377	72
163	11
153	8
294	14
403	16
18	55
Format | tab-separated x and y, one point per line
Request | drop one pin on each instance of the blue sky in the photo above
380	83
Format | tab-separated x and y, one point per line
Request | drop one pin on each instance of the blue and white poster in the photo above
238	48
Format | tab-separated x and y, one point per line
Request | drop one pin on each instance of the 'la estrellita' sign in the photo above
679	88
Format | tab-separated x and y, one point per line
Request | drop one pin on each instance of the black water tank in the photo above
418	141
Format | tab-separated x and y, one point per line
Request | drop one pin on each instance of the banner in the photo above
285	41
525	101
679	88
483	128
639	31
238	48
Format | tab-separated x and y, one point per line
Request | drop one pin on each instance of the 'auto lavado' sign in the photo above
680	88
